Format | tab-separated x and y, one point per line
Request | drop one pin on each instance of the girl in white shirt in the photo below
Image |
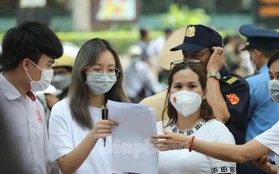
76	128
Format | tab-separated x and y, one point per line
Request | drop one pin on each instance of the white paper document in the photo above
132	150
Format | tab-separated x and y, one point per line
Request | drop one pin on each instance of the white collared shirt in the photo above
27	131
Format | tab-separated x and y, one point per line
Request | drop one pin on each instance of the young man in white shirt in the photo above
29	51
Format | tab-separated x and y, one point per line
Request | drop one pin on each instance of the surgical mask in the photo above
61	81
44	82
100	83
273	87
186	102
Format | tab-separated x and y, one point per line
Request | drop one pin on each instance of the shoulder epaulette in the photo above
229	79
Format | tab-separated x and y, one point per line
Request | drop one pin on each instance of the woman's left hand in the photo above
171	141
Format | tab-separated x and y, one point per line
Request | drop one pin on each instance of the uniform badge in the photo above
190	32
230	79
233	98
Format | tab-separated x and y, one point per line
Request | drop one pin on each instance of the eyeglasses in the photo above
101	70
190	61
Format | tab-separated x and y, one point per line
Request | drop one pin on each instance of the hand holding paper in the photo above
132	150
103	128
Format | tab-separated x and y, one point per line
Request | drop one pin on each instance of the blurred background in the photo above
119	20
138	29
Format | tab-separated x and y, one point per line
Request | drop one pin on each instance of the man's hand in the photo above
217	60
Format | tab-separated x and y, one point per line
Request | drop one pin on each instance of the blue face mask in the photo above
61	81
274	89
100	83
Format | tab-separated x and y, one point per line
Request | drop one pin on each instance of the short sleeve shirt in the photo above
263	112
65	134
26	122
185	162
235	91
270	139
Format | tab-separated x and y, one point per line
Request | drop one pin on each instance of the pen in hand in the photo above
104	117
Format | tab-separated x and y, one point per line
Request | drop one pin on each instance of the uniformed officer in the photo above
227	94
263	112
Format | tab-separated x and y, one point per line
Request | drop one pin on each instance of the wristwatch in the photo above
214	74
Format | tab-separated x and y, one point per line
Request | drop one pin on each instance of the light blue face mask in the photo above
273	87
100	83
61	81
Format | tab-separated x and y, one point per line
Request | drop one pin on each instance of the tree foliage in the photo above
178	17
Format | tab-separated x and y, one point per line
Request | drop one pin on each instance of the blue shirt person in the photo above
263	112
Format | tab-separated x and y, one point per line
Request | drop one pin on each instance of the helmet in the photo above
135	50
65	60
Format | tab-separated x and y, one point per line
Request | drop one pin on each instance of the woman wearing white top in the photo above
190	114
263	144
76	128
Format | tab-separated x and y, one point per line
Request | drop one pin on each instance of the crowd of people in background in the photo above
219	98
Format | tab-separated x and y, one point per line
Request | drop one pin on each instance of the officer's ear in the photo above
257	53
254	53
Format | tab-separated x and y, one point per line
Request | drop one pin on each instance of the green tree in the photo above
178	17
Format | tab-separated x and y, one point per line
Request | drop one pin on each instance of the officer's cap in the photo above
198	37
259	37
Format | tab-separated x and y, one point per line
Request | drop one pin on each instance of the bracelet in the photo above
191	144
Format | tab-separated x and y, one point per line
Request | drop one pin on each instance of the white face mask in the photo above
61	81
273	87
100	83
186	102
44	82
